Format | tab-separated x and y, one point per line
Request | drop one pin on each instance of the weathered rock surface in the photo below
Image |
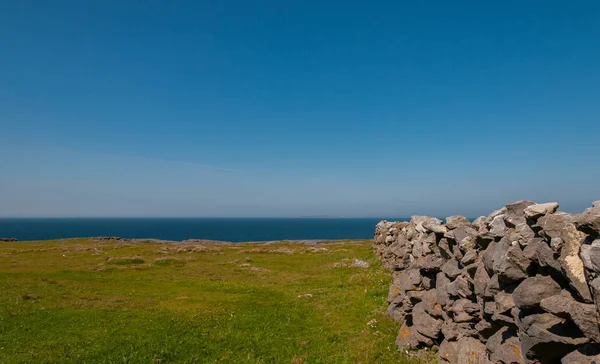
521	285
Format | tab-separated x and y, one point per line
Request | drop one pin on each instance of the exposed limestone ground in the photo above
521	285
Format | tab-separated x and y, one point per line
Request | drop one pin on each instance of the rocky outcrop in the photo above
7	239
521	285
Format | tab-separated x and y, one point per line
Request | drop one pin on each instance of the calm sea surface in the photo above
226	229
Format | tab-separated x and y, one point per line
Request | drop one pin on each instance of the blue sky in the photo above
297	108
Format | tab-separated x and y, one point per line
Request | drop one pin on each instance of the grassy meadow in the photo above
86	301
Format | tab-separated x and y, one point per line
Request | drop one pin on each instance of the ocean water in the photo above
225	229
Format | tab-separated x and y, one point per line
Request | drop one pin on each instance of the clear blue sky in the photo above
297	108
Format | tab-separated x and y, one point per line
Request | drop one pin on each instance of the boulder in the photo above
533	290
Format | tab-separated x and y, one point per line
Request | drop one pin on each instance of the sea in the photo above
178	229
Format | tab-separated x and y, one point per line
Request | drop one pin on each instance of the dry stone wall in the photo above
521	285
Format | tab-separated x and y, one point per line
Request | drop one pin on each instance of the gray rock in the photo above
595	286
510	263
452	330
587	354
589	224
533	290
448	351
410	338
515	212
471	351
583	315
407	280
504	302
488	257
430	224
480	280
451	269
424	323
461	287
590	256
478	222
504	347
453	222
492	287
470	257
463	232
545	257
538	210
545	338
522	233
498	227
496	213
441	284
445	248
357	263
464	310
430	262
499	338
560	226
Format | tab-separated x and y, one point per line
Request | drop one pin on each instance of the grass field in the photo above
84	301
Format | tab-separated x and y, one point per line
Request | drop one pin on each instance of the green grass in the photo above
81	301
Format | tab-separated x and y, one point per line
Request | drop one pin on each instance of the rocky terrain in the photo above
521	285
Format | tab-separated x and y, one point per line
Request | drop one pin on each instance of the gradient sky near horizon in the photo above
297	108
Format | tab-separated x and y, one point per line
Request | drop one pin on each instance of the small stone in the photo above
360	264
